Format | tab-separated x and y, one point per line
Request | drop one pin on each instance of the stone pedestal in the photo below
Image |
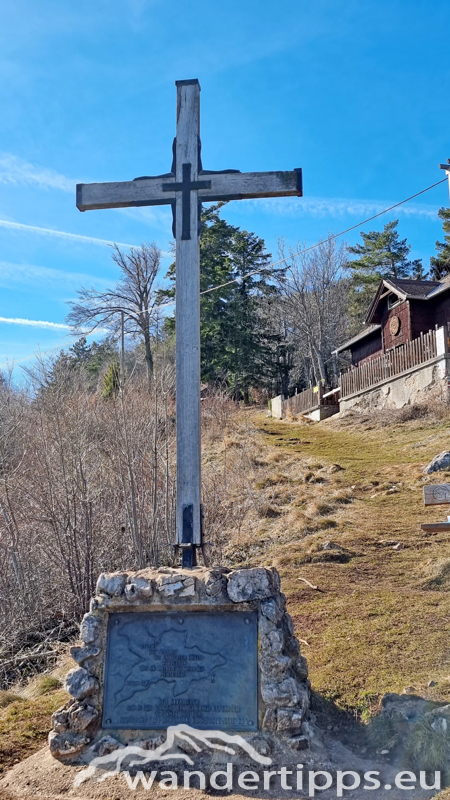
276	678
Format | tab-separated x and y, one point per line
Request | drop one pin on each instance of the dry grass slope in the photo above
340	504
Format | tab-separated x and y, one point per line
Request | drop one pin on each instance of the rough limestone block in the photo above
287	624
80	684
81	654
300	667
188	589
291	646
270	720
272	610
66	744
81	716
138	588
289	719
439	462
284	693
298	742
60	720
107	745
215	583
176	585
112	584
273	642
90	629
275	668
251	584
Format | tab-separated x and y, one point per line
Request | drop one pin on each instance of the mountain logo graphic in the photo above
135	756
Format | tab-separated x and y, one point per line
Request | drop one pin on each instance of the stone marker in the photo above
211	648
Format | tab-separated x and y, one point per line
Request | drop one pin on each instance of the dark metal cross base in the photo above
189	554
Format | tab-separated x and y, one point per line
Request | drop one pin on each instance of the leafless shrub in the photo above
87	484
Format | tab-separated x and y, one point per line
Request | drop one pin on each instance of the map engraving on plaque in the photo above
197	668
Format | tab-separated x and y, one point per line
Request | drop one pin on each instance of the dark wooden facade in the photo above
400	312
367	348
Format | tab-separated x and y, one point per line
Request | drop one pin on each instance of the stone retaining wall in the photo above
421	385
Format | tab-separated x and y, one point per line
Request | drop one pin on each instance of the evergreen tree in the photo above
440	264
80	351
251	346
381	255
237	346
418	272
82	358
111	380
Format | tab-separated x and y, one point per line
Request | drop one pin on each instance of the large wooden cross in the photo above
185	187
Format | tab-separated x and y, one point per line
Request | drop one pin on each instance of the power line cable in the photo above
330	238
307	249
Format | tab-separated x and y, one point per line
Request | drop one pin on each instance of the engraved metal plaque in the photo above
197	668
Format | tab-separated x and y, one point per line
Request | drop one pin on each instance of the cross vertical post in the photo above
188	519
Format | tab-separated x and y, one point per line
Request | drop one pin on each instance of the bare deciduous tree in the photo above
314	292
134	295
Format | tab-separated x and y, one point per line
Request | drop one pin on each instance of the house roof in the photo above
361	335
405	289
412	289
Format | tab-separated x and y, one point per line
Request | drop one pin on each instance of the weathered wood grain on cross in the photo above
185	187
435	495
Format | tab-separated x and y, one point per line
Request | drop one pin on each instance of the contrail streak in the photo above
19	226
35	323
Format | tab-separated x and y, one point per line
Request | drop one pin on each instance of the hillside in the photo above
338	504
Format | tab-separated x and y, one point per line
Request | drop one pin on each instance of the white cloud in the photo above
19	226
35	323
336	207
17	171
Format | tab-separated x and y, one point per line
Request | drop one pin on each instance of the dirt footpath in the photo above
41	777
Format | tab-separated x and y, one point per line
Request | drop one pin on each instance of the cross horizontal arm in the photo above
222	186
242	185
125	194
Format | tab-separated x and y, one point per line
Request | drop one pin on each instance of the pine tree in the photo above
382	255
252	352
80	351
440	264
237	346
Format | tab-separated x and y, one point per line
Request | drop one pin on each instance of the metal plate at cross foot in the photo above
197	668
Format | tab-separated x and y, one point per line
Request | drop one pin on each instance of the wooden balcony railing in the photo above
394	362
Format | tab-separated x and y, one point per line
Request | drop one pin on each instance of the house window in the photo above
392	300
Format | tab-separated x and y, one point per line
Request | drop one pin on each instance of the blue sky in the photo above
352	92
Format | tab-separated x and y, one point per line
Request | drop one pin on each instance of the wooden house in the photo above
401	310
400	357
